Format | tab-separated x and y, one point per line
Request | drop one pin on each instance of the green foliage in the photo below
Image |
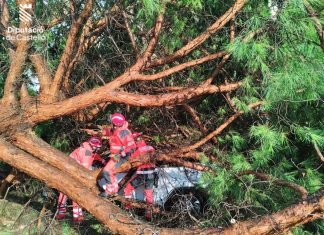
270	140
66	228
238	141
241	105
254	52
61	144
297	81
239	163
313	180
192	4
309	135
217	185
143	119
49	131
150	7
277	61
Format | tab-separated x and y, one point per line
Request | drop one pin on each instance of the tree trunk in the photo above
121	223
22	149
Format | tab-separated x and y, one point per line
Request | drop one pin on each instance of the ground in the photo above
15	219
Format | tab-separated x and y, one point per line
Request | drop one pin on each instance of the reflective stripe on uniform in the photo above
145	172
62	210
116	147
130	143
146	148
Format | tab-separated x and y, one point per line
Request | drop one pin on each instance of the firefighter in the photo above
145	174
85	155
122	145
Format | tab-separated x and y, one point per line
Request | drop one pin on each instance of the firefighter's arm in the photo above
115	146
92	132
97	157
100	131
106	132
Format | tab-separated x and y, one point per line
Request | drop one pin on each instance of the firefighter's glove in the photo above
116	157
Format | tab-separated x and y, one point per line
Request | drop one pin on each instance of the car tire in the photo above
186	205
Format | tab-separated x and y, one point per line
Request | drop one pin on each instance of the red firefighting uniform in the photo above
144	176
122	145
84	156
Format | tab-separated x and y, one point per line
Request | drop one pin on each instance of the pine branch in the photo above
103	94
180	67
43	73
67	55
262	176
218	130
130	34
5	14
142	61
193	44
318	152
196	119
16	66
317	23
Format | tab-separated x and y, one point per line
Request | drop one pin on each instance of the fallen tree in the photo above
120	222
20	113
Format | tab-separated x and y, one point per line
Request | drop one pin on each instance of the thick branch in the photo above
318	152
170	158
5	16
300	189
218	130
142	61
189	47
30	143
16	66
130	34
45	112
180	67
196	119
66	57
103	94
43	73
106	212
279	222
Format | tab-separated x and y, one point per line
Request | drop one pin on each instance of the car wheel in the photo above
186	207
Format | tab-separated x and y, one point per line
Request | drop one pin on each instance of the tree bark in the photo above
121	223
30	143
106	212
38	159
279	222
189	47
43	112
